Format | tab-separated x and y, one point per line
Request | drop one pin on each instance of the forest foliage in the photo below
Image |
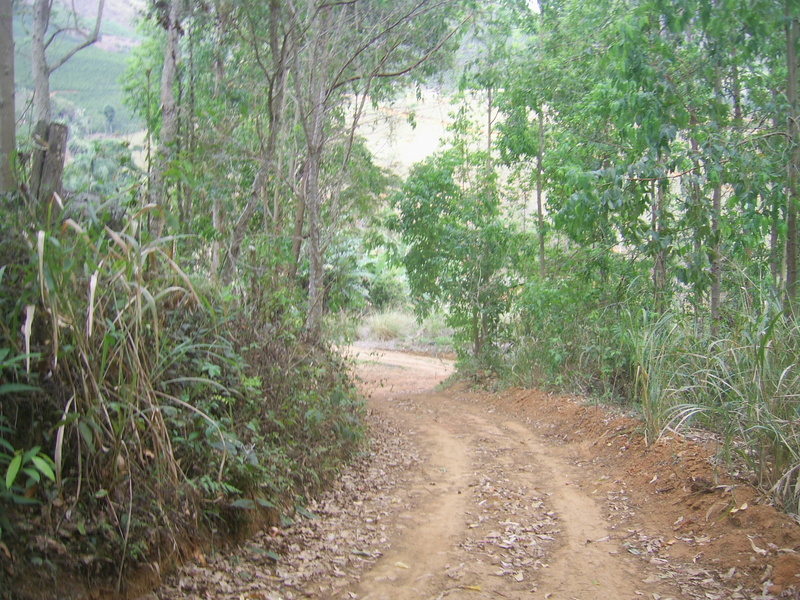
613	211
656	143
166	370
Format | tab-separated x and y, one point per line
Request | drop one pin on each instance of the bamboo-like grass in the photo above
103	301
745	387
163	413
740	381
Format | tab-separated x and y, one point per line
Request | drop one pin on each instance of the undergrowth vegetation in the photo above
138	410
590	330
403	330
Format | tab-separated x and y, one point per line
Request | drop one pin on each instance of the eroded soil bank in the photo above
522	495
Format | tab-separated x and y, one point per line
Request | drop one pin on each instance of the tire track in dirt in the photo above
544	537
429	532
454	500
582	567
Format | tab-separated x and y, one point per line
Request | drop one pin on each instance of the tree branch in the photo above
674	175
85	44
408	68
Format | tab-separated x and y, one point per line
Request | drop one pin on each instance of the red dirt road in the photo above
470	495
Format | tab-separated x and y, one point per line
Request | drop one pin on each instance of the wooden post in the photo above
48	160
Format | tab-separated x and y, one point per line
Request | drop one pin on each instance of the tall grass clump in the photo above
745	386
390	325
139	409
402	329
591	330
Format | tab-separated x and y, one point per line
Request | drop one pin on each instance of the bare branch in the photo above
408	68
95	35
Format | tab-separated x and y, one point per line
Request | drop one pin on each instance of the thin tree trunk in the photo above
697	197
240	229
660	258
39	65
277	109
314	127
216	219
792	34
737	90
41	71
539	199
169	116
219	58
716	213
216	202
477	342
54	161
297	238
716	261
774	252
8	136
313	207
489	107
316	275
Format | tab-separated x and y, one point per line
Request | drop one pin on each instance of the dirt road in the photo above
495	512
467	495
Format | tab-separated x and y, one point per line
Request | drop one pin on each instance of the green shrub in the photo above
572	332
157	399
583	332
392	325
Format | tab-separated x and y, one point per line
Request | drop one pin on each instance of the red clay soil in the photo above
691	510
522	495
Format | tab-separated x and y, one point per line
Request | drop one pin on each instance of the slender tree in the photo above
353	51
44	34
792	29
169	112
7	113
273	65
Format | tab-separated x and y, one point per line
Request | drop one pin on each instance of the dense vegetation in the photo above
165	340
167	376
662	141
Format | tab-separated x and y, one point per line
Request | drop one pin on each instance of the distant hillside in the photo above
124	12
90	82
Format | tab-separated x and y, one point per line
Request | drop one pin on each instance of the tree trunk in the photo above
489	108
39	65
41	71
297	238
660	257
316	274
169	117
539	200
477	340
8	135
216	220
277	107
736	91
775	251
716	261
792	33
314	127
48	160
313	208
698	201
716	208
240	229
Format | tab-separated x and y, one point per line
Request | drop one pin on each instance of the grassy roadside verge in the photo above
144	411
